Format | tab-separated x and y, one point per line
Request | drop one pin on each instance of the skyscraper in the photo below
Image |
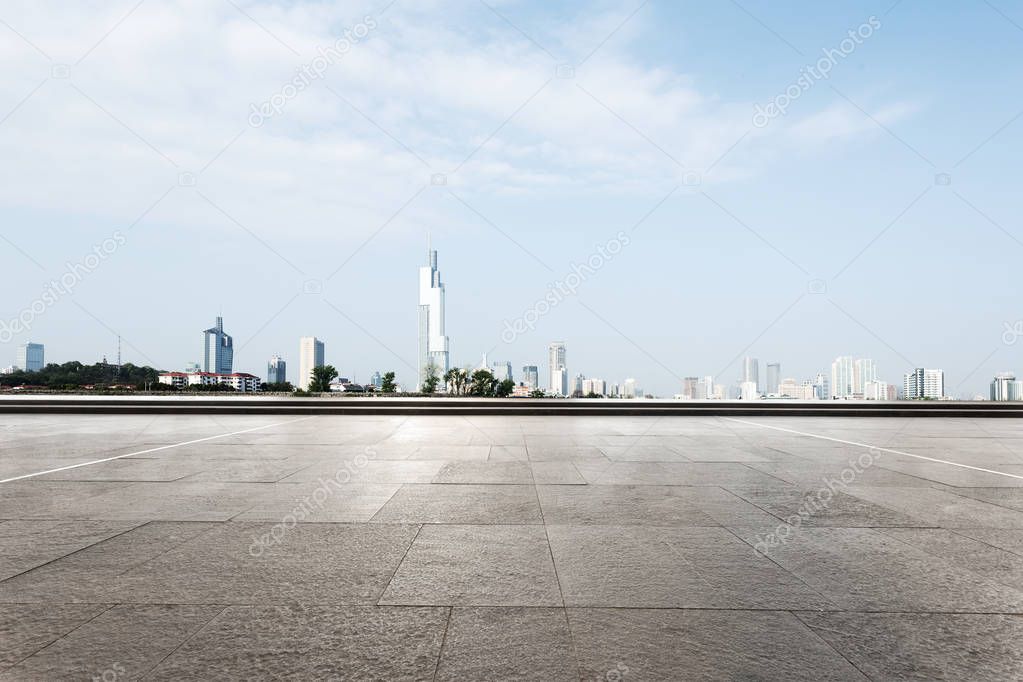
864	371
31	357
842	377
276	371
924	384
531	376
433	344
1006	387
501	370
751	372
558	371
310	355
822	387
218	352
773	378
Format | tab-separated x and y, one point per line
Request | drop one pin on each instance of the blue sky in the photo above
108	110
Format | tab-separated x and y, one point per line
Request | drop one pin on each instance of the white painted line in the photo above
873	447
144	452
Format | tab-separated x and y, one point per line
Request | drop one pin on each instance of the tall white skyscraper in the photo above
842	377
924	383
864	372
1006	387
310	355
558	370
751	372
218	350
433	344
31	357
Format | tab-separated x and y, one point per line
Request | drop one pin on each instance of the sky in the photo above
770	186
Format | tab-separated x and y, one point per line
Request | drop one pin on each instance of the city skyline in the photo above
792	233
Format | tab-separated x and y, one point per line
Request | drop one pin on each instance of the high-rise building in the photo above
822	387
924	384
276	370
842	377
630	390
577	385
31	357
1006	387
748	391
690	388
790	388
751	372
377	381
773	378
558	370
864	371
531	377
433	344
218	351
594	387
310	354
501	370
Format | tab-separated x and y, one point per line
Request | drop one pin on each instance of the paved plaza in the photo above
492	548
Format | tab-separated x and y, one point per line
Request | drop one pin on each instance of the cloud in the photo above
429	87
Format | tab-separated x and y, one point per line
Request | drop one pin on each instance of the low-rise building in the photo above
239	381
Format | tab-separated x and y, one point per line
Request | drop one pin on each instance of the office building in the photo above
822	387
1006	387
531	377
501	370
218	350
842	377
790	388
377	381
433	344
690	388
751	372
594	387
864	371
31	357
577	385
924	384
276	370
630	390
310	355
773	378
558	371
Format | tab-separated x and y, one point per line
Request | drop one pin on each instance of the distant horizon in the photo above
667	188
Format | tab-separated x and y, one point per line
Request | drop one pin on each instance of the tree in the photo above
537	393
482	383
387	386
278	387
431	380
321	378
505	388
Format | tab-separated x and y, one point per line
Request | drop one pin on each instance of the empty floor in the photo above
548	548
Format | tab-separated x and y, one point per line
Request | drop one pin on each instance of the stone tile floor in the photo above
546	548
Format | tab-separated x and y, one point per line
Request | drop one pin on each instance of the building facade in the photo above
1006	387
31	357
773	378
276	370
241	382
531	377
924	384
433	344
218	350
558	369
751	372
311	353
